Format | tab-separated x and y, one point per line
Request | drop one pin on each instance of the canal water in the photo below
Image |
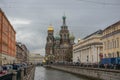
42	73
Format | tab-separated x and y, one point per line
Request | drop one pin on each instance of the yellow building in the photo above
111	41
89	49
35	58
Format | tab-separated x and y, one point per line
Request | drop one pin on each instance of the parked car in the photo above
24	65
9	67
17	66
1	69
4	69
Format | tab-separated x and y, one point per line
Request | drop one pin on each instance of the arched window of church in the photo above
62	27
64	36
50	40
60	35
68	35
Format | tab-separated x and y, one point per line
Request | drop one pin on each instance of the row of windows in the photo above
115	28
62	51
65	28
110	44
110	55
64	36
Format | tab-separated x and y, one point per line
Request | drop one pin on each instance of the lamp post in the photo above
51	58
0	59
46	59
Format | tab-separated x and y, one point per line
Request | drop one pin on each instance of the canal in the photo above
42	73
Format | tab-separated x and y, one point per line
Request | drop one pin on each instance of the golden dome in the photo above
50	28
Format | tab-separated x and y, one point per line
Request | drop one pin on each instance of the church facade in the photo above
59	47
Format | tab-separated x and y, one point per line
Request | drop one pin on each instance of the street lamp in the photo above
46	59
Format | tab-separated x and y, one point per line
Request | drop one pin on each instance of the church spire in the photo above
64	20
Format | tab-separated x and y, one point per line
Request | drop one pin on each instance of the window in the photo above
109	55
118	54
105	45
92	58
67	35
119	27
112	43
113	55
105	55
64	36
114	28
108	44
117	42
87	58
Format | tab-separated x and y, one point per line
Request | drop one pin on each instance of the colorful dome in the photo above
50	28
57	37
72	36
64	17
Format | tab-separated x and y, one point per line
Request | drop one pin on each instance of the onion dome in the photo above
71	36
57	37
50	28
64	17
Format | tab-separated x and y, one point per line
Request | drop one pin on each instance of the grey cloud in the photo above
83	18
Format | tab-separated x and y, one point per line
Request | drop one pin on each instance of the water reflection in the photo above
42	73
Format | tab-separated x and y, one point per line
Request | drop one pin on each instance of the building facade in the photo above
59	47
89	49
35	58
22	53
19	53
7	40
111	41
25	53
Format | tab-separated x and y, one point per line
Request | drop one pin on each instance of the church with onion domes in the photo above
59	46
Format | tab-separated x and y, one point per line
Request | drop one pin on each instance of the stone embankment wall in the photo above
93	73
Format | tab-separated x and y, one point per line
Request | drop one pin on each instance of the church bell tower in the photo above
64	32
50	40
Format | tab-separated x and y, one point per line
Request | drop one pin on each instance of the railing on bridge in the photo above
22	74
6	77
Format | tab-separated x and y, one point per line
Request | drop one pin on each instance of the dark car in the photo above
17	66
9	67
24	65
1	69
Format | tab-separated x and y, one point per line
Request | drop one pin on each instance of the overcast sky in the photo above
31	18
